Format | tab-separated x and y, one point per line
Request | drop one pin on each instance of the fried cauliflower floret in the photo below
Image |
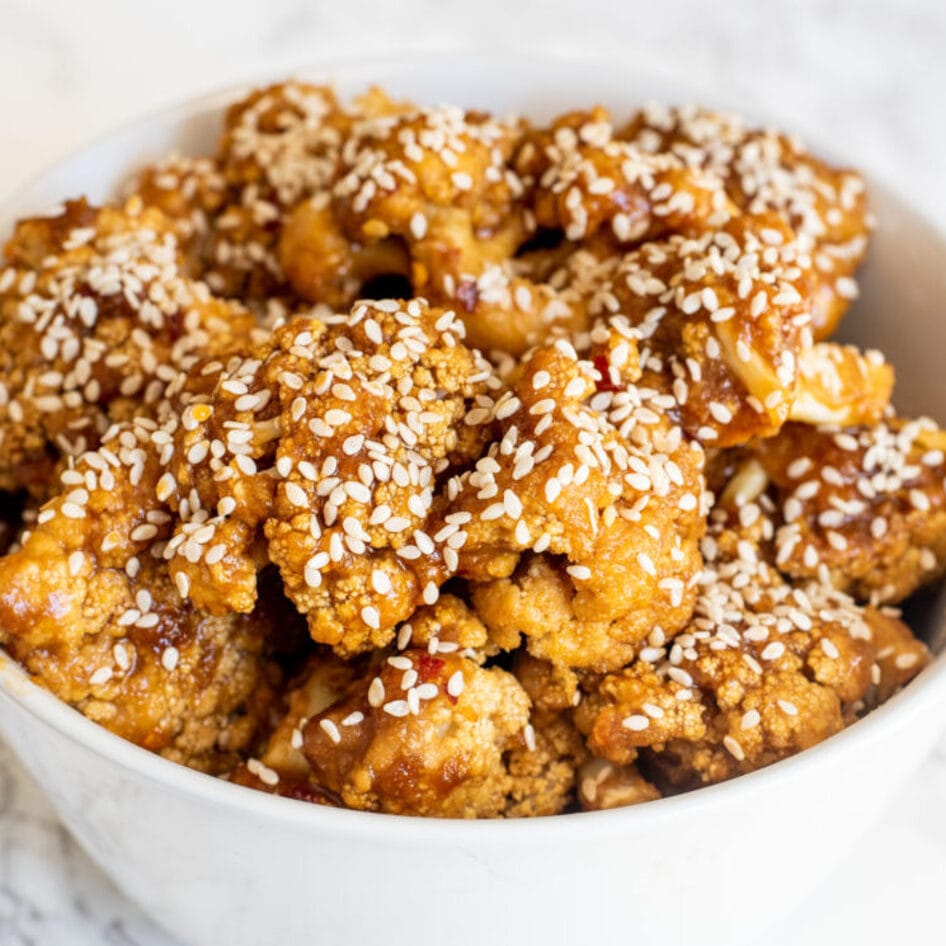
585	179
721	319
865	505
579	526
280	145
330	437
544	765
422	193
96	319
509	310
421	735
190	192
603	785
763	670
89	609
767	171
447	626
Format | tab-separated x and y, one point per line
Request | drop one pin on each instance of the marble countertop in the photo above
866	73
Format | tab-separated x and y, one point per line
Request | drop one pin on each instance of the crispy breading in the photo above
420	735
721	319
579	526
763	670
96	319
865	505
586	178
91	612
763	170
329	437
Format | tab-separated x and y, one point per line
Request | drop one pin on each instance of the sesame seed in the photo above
750	719
265	774
773	651
376	693
330	730
735	749
101	676
169	658
528	736
635	723
455	684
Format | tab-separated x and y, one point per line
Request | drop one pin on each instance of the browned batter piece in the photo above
96	320
721	319
762	171
763	670
421	734
330	438
863	507
582	178
91	611
580	524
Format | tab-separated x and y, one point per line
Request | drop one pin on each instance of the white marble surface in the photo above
867	74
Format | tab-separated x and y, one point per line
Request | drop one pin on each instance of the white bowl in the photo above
216	863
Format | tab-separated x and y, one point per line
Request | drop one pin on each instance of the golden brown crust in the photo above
331	549
764	171
863	507
96	319
763	670
420	735
94	615
580	523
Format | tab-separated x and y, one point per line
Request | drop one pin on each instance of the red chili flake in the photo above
604	369
428	668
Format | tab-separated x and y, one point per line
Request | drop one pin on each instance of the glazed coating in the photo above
721	320
841	385
420	735
447	554
584	178
863	507
329	438
763	670
579	525
96	319
92	613
190	192
763	170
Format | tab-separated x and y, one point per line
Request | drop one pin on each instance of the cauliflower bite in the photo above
864	506
584	179
552	749
720	319
280	145
763	670
88	607
422	193
190	192
579	526
330	436
508	310
766	171
421	735
96	319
